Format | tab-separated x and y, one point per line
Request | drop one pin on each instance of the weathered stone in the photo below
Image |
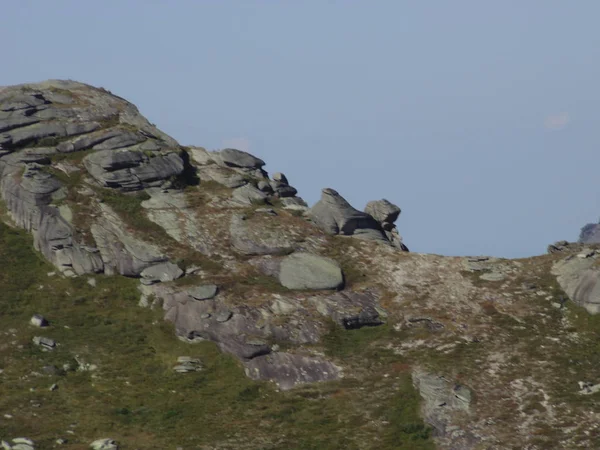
204	292
351	309
121	251
280	178
249	195
383	211
334	215
37	320
580	279
162	272
288	370
221	175
237	158
441	397
308	271
223	316
44	342
104	444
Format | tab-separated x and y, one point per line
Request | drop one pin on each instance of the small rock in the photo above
38	321
91	282
44	342
104	444
54	387
223	316
8	416
187	364
205	316
61	441
5	445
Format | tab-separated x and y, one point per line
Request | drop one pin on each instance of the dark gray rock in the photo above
308	271
334	215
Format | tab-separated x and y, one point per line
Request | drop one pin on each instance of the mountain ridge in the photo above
311	303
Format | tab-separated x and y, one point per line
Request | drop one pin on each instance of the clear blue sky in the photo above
480	119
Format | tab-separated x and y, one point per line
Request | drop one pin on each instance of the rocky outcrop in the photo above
122	252
132	170
28	192
386	213
441	397
334	215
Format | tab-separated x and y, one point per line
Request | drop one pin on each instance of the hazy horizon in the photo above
478	119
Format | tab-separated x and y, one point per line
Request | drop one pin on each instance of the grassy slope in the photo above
136	398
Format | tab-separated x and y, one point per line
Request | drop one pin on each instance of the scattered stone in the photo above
187	364
54	387
61	441
308	271
91	282
104	444
44	342
205	292
38	321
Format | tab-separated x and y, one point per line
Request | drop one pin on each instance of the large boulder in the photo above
335	215
579	277
308	271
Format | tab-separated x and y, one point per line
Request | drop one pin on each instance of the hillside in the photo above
159	296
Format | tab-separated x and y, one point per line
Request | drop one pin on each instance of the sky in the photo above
481	120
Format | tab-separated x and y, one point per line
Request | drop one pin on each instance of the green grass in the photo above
136	398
